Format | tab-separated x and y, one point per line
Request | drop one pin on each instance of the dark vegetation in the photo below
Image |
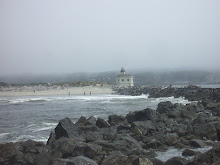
140	77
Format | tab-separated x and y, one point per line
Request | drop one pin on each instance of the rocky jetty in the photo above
134	139
192	93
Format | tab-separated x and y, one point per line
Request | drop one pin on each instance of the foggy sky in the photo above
51	36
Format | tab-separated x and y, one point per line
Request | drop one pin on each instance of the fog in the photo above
51	36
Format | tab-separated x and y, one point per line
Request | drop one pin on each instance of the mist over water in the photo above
24	118
93	36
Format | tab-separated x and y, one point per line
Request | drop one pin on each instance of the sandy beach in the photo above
57	91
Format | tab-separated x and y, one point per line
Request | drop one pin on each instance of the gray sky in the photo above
100	35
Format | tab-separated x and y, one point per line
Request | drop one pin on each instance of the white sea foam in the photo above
27	137
85	98
40	127
3	134
173	152
104	98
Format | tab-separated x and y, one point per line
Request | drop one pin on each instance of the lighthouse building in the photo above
124	79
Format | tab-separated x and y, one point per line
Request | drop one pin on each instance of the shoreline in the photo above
139	136
62	91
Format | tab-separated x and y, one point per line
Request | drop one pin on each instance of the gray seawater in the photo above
23	118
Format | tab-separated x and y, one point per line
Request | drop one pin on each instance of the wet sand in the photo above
65	91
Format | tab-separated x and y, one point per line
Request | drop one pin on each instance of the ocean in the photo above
34	117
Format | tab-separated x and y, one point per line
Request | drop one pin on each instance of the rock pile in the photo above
192	93
133	139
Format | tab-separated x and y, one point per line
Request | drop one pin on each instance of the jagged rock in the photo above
164	107
170	139
146	114
115	119
93	136
197	143
201	119
79	160
82	119
51	138
189	114
210	157
101	123
123	128
92	120
216	110
127	145
28	152
71	147
188	152
180	129
143	161
176	161
145	127
66	128
155	144
117	158
206	130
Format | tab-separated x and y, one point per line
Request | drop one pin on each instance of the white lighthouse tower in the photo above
124	79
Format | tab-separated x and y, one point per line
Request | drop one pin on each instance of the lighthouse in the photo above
124	80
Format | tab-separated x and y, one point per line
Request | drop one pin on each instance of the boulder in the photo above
71	147
189	114
117	158
123	128
145	127
66	128
206	130
51	138
197	143
79	160
115	119
28	152
146	114
164	107
180	129
176	161
93	136
10	154
92	120
127	145
188	152
216	110
101	123
210	157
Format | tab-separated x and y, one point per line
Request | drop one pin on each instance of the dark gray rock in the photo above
101	123
93	136
66	128
188	152
155	144
146	114
143	127
116	158
164	107
79	160
115	119
176	161
180	129
51	138
210	157
127	145
123	128
92	120
197	143
206	130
